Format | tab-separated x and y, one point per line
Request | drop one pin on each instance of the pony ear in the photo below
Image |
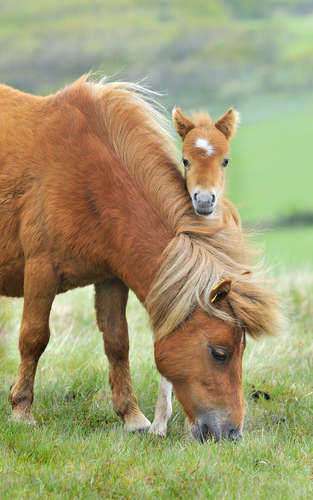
220	291
228	123
181	122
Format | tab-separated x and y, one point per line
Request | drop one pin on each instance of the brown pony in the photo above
90	193
205	157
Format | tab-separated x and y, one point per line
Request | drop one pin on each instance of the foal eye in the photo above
219	354
186	163
225	162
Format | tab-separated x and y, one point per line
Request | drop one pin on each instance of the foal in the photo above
205	156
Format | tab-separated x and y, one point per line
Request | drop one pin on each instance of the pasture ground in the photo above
79	448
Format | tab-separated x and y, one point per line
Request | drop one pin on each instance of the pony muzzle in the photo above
204	202
213	426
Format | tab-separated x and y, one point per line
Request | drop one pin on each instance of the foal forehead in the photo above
206	142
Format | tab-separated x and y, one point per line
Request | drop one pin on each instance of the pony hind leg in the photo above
111	300
39	291
163	409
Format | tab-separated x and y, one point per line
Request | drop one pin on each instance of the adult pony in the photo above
90	193
206	147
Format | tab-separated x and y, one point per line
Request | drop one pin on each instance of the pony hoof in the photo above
158	429
137	423
23	418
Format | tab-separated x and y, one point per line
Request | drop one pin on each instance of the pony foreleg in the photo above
39	292
163	409
111	300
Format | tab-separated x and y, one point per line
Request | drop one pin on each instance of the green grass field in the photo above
79	448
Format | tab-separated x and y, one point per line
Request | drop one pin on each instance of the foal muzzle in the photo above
204	202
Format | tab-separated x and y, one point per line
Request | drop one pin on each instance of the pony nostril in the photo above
213	198
195	195
204	432
204	429
234	434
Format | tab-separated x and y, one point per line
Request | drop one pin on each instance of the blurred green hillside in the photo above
216	50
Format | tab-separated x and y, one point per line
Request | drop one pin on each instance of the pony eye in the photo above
186	163
225	162
218	354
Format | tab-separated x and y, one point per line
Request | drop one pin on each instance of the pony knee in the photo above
33	341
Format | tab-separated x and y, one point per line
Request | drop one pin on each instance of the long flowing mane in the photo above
201	252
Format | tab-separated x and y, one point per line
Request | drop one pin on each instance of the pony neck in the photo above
135	234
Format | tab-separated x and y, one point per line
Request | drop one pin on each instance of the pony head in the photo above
202	304
203	361
205	155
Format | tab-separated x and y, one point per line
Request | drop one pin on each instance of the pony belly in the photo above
73	273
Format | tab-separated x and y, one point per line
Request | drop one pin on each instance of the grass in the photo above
79	448
288	248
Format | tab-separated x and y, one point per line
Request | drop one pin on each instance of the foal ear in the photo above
220	291
181	122
228	123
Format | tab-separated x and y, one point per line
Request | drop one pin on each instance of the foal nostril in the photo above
204	198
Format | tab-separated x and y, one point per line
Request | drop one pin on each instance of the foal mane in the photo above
202	119
201	252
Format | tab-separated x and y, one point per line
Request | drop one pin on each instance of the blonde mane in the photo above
201	252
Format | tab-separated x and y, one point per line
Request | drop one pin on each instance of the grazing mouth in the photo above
203	434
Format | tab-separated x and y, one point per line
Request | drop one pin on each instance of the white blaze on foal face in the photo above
205	156
205	145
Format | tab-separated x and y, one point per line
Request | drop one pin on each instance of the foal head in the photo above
205	155
203	360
